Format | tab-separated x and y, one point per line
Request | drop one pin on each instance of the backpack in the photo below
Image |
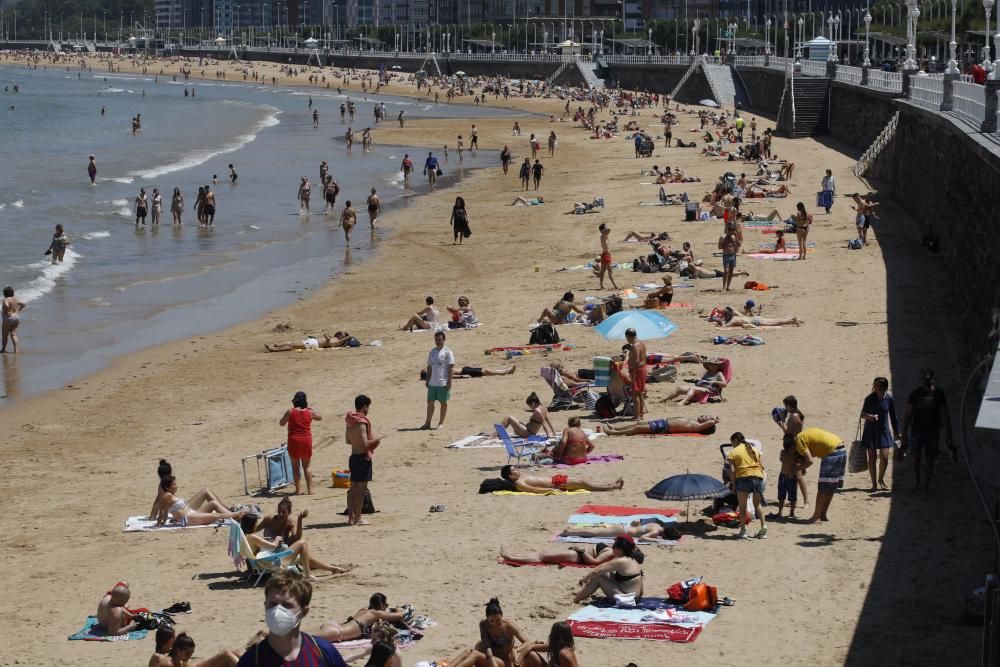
604	407
694	594
544	334
613	304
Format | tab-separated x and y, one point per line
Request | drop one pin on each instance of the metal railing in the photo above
849	74
779	62
927	90
885	80
881	141
970	101
814	67
790	73
640	59
749	61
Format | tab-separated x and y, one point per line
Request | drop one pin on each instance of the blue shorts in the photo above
658	426
729	261
788	487
750	485
925	441
442	394
831	470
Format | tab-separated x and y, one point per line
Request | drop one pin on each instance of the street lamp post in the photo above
868	22
694	37
649	44
767	37
911	34
830	57
988	6
798	42
836	37
493	42
952	45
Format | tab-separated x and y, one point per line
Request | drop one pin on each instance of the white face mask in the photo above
281	621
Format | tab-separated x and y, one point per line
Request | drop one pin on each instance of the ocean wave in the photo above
125	212
202	156
119	202
118	179
90	236
18	204
113	90
46	282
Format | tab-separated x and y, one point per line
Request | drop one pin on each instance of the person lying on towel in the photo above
703	424
555	482
112	616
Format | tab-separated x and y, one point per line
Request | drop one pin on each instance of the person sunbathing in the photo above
203	509
622	575
590	554
655	359
463	316
538	421
703	424
556	482
639	529
564	312
496	642
642	237
731	319
693	271
710	385
570	380
177	650
757	192
339	339
472	372
426	318
663	295
300	553
574	445
364	621
527	201
112	616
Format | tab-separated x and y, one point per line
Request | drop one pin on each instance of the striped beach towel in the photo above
602	371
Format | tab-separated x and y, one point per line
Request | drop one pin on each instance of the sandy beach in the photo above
82	459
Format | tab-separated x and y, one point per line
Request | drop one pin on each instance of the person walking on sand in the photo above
525	173
926	414
505	159
474	140
605	268
552	144
299	420
431	169
348	218
440	362
637	372
460	221
10	313
305	192
729	245
878	413
374	208
363	444
828	190
536	173
92	171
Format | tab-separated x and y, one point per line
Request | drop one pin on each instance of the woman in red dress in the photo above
299	419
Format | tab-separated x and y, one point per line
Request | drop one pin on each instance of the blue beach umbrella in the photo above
688	487
647	324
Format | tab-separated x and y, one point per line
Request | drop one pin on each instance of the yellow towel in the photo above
552	492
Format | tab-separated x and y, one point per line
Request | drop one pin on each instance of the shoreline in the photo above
206	402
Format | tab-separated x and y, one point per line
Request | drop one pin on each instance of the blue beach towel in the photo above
91	633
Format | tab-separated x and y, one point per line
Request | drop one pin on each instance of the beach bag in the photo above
702	597
857	459
544	334
680	592
604	408
854	244
754	285
824	198
439	172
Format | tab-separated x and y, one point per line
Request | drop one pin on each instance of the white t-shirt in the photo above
439	360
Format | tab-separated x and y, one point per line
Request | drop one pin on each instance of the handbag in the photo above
439	172
857	460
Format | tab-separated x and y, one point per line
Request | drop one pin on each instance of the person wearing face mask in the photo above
286	604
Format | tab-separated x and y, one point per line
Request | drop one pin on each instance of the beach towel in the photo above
481	441
620	510
602	371
738	340
648	286
90	632
788	254
517	564
591	458
655	619
550	492
568	539
526	348
141	524
591	519
669	202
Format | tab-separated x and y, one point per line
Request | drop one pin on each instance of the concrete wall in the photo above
764	85
654	78
857	115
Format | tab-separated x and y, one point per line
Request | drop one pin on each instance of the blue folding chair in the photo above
523	446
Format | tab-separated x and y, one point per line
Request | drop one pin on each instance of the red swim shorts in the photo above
559	481
605	259
639	380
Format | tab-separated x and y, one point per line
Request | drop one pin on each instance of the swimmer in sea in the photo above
348	218
92	171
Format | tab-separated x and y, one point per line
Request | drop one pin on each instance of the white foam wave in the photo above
118	179
3	206
202	156
46	282
125	212
90	236
119	202
113	90
18	204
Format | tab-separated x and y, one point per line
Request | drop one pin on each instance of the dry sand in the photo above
79	460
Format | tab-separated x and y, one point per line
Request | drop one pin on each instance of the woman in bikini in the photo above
574	446
564	312
305	192
703	424
177	651
374	208
538	421
710	385
59	244
203	509
496	641
558	651
802	222
299	554
622	575
157	206
640	529
177	206
589	554
426	318
732	319
10	313
360	625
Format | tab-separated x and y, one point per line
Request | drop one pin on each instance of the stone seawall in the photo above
857	115
764	85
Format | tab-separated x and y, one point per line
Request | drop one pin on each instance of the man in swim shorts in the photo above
556	482
637	372
112	616
208	208
729	245
605	267
363	444
440	364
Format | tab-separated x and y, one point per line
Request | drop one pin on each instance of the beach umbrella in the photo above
311	42
709	103
647	324
396	67
460	73
688	487
220	40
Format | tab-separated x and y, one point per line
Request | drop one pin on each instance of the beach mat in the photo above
655	619
516	564
591	459
91	633
142	524
482	441
550	492
620	510
777	256
568	539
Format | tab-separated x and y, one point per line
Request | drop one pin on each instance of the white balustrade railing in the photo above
970	101
780	62
749	61
967	78
849	74
642	59
885	80
814	67
927	90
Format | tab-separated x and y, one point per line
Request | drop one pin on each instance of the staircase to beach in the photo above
589	73
812	105
883	139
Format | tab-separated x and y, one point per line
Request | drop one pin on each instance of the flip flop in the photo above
437	508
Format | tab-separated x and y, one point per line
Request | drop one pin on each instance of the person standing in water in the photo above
199	205
315	117
374	208
10	312
157	206
58	246
348	218
141	205
209	207
232	174
430	170
92	171
177	206
305	192
406	166
349	138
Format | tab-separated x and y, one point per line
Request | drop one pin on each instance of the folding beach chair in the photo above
616	389
563	397
523	446
243	555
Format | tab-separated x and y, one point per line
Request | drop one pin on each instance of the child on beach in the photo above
788	478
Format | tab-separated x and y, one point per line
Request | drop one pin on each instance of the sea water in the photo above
122	287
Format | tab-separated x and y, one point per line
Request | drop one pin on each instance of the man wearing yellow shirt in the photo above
815	443
748	478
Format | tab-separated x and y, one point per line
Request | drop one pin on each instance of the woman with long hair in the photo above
622	575
791	424
557	652
460	221
176	650
803	220
177	206
538	421
299	420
